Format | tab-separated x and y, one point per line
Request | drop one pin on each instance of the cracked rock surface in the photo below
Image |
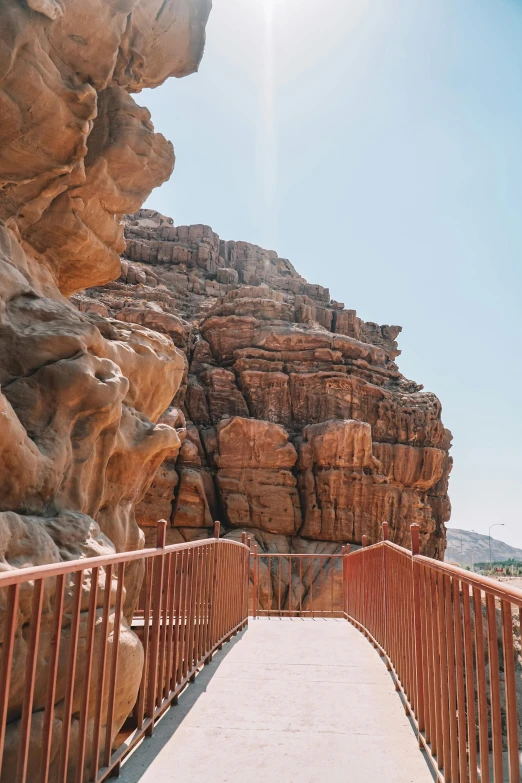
297	423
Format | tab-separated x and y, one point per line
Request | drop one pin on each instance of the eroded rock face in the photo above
300	427
81	395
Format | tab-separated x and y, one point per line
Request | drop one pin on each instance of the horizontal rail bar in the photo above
285	555
22	574
499	590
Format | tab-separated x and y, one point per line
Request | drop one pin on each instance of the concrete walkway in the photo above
289	701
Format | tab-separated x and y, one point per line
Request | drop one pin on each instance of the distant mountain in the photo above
466	548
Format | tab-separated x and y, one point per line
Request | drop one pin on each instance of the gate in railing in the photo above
296	585
70	665
452	640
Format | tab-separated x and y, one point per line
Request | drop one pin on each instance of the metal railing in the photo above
452	642
296	585
70	665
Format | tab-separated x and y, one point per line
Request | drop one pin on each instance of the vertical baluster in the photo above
279	584
311	586
180	620
208	598
95	754
87	672
159	562
116	633
13	597
417	621
425	619
436	739
199	605
192	614
452	683
470	685
54	653
71	672
320	585
301	586
255	588
213	608
461	691
511	694
290	585
170	622
247	579
188	616
494	690
145	684
269	572
332	561
481	686
30	676
163	615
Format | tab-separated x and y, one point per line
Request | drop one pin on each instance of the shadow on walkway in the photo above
288	701
146	752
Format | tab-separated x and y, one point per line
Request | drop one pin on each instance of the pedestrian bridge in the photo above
373	665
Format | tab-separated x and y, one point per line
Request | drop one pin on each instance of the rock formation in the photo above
81	397
297	425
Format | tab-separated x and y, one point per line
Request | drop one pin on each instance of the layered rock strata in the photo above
297	424
81	397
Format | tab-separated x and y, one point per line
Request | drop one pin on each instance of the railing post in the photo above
419	689
364	618
159	562
246	565
347	580
249	544
254	601
212	608
343	552
385	537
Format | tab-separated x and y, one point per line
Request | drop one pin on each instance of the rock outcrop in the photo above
81	396
297	424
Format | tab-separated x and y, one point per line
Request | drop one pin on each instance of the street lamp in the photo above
496	524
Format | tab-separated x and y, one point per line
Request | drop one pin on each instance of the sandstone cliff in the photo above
81	399
297	424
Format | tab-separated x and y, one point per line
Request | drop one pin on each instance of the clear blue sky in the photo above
377	145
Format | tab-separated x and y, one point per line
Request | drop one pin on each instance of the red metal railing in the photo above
452	641
296	585
69	658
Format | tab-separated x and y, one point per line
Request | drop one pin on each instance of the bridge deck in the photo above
289	701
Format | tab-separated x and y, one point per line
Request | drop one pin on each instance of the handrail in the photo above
499	590
79	652
25	573
443	633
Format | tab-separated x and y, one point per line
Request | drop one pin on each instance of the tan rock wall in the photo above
306	431
81	395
